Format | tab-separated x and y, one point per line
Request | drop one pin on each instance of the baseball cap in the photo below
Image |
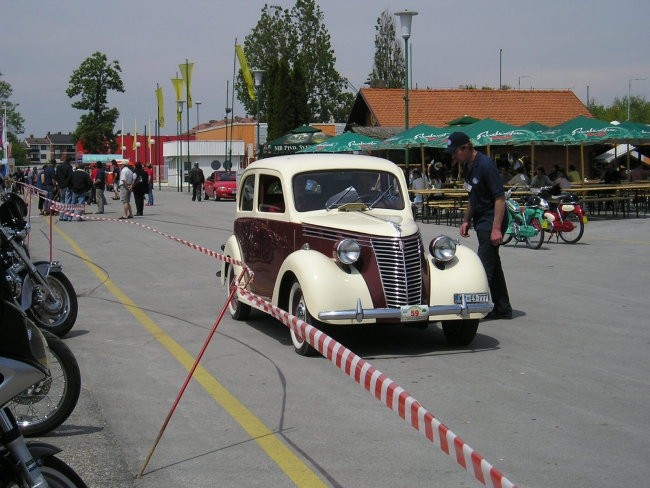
455	140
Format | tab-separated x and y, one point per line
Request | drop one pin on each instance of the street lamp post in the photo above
519	80
198	104
629	89
137	151
179	145
258	75
405	19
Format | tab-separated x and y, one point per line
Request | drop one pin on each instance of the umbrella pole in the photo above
582	158
424	171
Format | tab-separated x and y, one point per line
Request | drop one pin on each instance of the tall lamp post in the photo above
258	74
137	151
629	89
179	146
519	80
198	104
405	19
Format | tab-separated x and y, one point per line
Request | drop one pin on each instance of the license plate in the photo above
415	312
471	298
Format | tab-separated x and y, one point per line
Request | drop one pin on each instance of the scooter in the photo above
40	288
23	362
525	223
564	214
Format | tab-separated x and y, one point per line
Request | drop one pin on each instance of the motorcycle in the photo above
525	223
23	362
564	214
48	403
40	288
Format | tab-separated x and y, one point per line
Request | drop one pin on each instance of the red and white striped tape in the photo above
390	394
363	373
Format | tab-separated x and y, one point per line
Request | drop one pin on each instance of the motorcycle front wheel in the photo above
59	475
45	405
574	235
57	318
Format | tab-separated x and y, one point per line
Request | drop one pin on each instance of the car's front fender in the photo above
325	285
231	250
464	274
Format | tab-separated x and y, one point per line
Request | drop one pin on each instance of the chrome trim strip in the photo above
395	313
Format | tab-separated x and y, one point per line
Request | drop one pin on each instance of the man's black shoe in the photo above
494	315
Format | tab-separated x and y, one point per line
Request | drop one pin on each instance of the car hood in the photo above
370	223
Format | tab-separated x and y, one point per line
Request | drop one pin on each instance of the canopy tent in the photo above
299	138
346	142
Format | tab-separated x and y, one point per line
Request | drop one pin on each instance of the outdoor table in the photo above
622	193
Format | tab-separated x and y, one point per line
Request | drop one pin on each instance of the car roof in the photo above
292	164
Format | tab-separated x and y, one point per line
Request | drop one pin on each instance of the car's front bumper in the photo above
462	309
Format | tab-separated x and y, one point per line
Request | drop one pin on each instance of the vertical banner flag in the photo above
161	107
178	89
248	78
186	73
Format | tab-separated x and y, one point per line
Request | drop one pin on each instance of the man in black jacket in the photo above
197	178
63	174
80	184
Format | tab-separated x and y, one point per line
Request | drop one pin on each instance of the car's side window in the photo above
270	195
248	191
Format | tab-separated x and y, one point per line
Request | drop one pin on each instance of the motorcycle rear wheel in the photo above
59	320
573	236
44	406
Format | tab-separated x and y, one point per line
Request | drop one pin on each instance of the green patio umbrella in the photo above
420	135
534	126
488	132
584	131
299	138
346	142
462	121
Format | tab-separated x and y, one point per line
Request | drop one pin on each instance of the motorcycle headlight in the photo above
348	251
443	248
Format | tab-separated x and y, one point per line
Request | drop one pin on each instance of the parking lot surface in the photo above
557	396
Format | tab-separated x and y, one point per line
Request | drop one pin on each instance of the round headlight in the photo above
348	251
443	248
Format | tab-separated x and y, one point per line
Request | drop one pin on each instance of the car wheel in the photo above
237	309
298	308
460	332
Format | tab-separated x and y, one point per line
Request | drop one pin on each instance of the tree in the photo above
299	37
15	122
91	82
639	110
281	120
388	70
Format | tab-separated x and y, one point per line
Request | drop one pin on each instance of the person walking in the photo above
99	182
63	175
140	187
116	170
486	211
127	177
48	178
197	178
149	171
80	184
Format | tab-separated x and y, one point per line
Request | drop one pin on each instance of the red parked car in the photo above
221	184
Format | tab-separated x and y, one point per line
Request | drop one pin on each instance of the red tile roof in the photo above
437	107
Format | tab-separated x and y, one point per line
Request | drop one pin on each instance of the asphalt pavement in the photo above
557	396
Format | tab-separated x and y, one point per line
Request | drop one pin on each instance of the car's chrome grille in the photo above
400	267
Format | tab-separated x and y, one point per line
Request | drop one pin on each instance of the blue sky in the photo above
545	45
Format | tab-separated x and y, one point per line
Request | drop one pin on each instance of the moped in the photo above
525	223
563	212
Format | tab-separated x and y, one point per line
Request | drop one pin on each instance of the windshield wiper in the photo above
378	199
347	190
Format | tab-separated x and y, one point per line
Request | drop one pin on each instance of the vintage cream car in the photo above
331	238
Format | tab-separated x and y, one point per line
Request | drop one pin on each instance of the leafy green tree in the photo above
15	122
388	70
639	110
280	91
299	36
91	82
299	96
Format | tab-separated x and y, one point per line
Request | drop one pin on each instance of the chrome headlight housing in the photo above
347	251
443	248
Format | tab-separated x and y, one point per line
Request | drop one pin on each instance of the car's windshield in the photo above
334	189
225	175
